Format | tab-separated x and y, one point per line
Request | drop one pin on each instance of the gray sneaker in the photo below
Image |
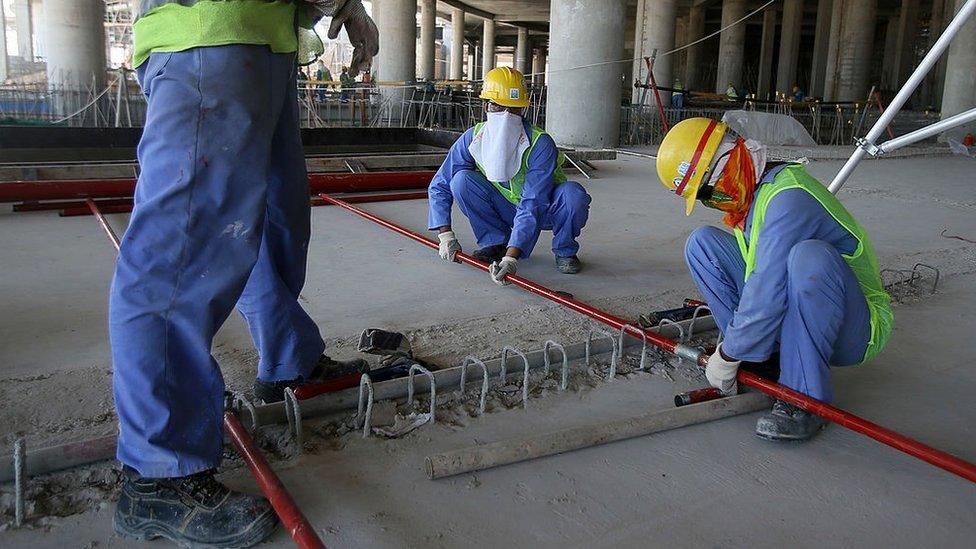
787	422
568	265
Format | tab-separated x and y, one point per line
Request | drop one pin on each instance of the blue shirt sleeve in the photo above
439	195
792	217
536	194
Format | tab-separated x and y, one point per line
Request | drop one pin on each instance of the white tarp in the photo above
768	128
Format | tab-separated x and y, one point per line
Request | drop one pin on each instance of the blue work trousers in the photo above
221	218
492	216
826	322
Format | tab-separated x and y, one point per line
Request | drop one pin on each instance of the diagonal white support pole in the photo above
928	62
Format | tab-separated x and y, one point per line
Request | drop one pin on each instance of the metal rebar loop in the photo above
614	351
565	369
694	318
620	343
525	373
681	332
294	414
241	402
365	419
938	274
484	380
20	480
414	368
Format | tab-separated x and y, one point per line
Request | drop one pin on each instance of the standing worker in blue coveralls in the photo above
506	177
795	288
221	218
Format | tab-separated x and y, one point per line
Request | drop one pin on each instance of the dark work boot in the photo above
490	254
193	511
325	369
787	422
568	265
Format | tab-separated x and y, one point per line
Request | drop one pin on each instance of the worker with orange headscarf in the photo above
794	289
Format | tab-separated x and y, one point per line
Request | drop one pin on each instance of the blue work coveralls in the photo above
802	299
221	218
545	205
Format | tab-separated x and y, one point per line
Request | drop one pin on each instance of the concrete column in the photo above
789	45
855	49
4	62
75	31
821	40
731	46
457	44
523	51
25	29
428	33
889	60
680	39
476	71
397	59
766	53
930	87
907	34
654	31
833	50
696	29
539	66
583	107
960	81
488	47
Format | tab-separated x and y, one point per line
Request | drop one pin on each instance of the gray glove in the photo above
449	246
501	269
363	35
721	373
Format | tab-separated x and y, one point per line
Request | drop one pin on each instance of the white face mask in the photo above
499	147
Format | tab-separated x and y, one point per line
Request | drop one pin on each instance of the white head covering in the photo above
498	149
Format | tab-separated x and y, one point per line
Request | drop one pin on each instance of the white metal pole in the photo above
928	62
926	132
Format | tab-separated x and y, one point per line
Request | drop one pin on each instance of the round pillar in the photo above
959	94
488	47
457	44
731	46
75	31
655	30
428	31
397	59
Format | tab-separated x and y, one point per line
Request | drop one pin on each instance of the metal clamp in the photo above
613	346
240	402
294	414
20	480
565	369
525	374
433	390
694	318
484	380
869	147
367	419
620	343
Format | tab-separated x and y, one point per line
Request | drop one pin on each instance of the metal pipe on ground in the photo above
505	452
298	527
886	436
20	191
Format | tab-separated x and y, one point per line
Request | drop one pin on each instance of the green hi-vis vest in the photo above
514	191
863	261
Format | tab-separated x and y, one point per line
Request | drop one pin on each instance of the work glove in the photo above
362	31
500	269
449	246
721	373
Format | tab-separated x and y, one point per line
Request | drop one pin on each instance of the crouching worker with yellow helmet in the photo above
795	288
506	177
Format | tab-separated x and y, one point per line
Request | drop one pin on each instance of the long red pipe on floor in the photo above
19	191
291	516
836	415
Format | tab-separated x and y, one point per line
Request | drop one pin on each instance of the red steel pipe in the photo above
836	415
104	223
62	204
300	530
18	191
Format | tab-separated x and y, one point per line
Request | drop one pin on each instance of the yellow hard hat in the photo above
505	87
684	157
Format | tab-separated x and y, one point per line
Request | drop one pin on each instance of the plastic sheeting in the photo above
769	128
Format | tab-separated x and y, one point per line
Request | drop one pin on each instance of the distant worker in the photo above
507	178
347	83
678	95
798	96
730	92
798	282
221	218
323	76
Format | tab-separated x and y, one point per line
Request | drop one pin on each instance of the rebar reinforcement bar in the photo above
505	452
900	442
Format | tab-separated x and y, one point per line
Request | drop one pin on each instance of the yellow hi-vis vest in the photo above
514	191
863	261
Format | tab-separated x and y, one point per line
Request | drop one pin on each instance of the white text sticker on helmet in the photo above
513	93
683	168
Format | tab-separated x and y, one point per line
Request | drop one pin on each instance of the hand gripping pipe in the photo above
836	415
291	516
